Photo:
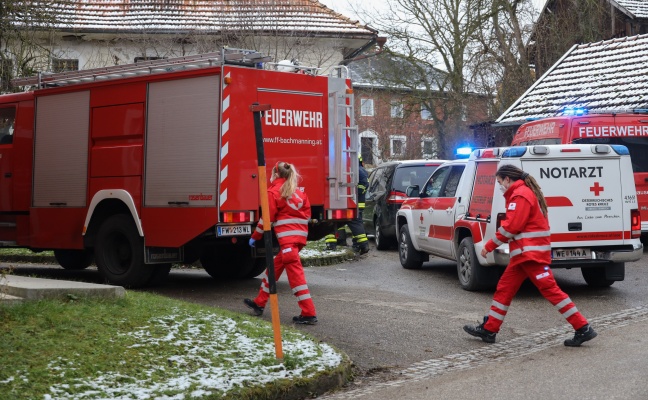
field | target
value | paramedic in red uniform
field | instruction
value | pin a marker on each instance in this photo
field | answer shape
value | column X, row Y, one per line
column 289, row 213
column 526, row 229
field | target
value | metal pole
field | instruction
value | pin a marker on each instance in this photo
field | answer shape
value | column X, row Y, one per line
column 257, row 109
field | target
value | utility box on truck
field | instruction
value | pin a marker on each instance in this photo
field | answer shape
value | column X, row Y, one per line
column 592, row 209
column 142, row 165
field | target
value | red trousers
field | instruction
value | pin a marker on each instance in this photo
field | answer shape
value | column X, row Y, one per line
column 288, row 259
column 543, row 278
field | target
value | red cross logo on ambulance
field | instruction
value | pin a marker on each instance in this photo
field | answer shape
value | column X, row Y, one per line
column 421, row 218
column 596, row 188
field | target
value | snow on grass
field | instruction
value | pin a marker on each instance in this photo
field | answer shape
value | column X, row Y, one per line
column 213, row 355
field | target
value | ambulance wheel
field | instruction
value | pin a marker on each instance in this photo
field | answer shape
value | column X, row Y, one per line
column 472, row 275
column 119, row 253
column 74, row 259
column 410, row 258
column 595, row 277
column 259, row 267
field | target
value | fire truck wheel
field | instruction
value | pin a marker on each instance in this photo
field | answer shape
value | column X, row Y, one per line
column 410, row 258
column 595, row 277
column 74, row 259
column 119, row 253
column 473, row 275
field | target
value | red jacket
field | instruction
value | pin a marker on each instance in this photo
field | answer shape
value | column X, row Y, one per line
column 525, row 228
column 289, row 217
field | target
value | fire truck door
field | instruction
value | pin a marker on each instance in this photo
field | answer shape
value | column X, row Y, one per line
column 7, row 118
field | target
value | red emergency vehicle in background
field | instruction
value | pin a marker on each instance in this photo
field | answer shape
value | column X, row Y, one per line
column 629, row 128
column 142, row 165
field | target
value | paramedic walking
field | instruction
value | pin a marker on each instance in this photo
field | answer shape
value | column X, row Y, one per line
column 289, row 213
column 526, row 230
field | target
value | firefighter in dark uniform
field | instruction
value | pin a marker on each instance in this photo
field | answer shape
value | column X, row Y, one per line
column 360, row 241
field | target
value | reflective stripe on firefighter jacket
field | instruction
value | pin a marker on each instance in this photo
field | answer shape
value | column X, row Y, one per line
column 525, row 228
column 289, row 217
column 363, row 184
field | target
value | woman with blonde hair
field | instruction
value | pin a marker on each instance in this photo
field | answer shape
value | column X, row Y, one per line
column 526, row 230
column 290, row 212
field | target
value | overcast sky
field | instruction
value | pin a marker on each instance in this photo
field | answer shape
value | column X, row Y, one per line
column 343, row 6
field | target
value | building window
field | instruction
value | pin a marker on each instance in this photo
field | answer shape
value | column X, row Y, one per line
column 428, row 148
column 464, row 113
column 425, row 113
column 397, row 146
column 6, row 73
column 65, row 64
column 366, row 107
column 138, row 59
column 397, row 110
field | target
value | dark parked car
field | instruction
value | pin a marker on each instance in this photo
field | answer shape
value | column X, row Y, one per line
column 386, row 193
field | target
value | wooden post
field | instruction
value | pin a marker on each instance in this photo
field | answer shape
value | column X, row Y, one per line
column 257, row 110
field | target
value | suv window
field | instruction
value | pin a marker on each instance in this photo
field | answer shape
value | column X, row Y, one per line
column 411, row 175
column 377, row 180
column 451, row 184
column 434, row 185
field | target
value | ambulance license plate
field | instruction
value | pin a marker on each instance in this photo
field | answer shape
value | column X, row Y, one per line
column 571, row 254
column 234, row 230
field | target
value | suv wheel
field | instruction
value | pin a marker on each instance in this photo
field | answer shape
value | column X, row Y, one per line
column 381, row 242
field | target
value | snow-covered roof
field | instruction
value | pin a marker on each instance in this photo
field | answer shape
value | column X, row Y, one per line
column 634, row 8
column 205, row 16
column 376, row 72
column 601, row 76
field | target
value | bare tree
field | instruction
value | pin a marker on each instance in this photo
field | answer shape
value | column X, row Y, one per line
column 429, row 35
column 22, row 24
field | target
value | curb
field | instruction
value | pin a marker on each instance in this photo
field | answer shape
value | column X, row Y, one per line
column 322, row 261
column 305, row 388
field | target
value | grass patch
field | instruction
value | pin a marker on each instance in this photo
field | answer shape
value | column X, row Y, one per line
column 147, row 346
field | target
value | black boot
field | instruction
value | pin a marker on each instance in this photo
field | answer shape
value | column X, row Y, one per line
column 479, row 331
column 253, row 306
column 582, row 335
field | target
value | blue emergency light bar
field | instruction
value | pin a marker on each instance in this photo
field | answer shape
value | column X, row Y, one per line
column 575, row 111
column 620, row 149
column 517, row 151
column 463, row 152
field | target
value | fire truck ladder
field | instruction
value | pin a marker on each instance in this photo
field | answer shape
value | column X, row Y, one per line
column 249, row 58
column 343, row 107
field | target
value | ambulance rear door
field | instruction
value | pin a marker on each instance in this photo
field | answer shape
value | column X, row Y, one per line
column 584, row 197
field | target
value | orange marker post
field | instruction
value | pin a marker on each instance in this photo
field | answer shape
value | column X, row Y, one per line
column 257, row 109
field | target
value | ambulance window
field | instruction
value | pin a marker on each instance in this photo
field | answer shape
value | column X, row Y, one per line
column 450, row 187
column 7, row 119
column 434, row 185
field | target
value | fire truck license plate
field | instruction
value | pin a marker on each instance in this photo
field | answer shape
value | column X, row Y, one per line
column 234, row 230
column 571, row 254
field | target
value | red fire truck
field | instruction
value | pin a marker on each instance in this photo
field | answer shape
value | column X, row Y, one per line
column 142, row 165
column 623, row 127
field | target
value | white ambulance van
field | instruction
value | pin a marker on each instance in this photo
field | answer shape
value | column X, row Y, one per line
column 592, row 204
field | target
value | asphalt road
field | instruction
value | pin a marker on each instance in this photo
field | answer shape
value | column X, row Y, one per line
column 387, row 318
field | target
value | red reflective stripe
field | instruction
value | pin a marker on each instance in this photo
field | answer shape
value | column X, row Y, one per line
column 587, row 236
column 558, row 201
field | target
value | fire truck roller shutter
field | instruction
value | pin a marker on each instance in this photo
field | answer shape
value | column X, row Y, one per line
column 182, row 142
column 61, row 150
